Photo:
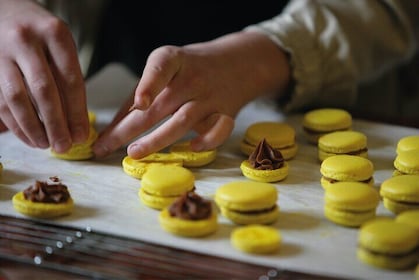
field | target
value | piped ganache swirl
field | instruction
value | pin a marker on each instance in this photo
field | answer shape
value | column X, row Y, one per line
column 47, row 193
column 265, row 157
column 190, row 206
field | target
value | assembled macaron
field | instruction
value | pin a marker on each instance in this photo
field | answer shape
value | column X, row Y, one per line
column 183, row 151
column 137, row 167
column 408, row 143
column 319, row 122
column 342, row 142
column 256, row 239
column 190, row 215
column 346, row 168
column 406, row 162
column 350, row 203
column 247, row 202
column 386, row 243
column 163, row 184
column 44, row 200
column 265, row 164
column 281, row 136
column 400, row 193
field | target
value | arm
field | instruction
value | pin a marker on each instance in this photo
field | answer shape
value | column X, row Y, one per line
column 42, row 94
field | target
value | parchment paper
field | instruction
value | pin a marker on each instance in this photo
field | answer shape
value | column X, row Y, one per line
column 106, row 198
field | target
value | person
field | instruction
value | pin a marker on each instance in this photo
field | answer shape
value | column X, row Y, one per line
column 312, row 53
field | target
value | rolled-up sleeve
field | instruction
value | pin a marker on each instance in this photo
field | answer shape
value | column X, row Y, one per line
column 335, row 45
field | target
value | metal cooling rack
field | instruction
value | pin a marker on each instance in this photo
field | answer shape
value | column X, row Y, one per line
column 101, row 256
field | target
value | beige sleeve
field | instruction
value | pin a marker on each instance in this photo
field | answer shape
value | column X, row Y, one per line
column 336, row 45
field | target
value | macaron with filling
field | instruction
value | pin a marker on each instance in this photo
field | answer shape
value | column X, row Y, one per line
column 265, row 164
column 319, row 122
column 190, row 215
column 183, row 151
column 346, row 168
column 162, row 184
column 350, row 203
column 247, row 202
column 256, row 239
column 388, row 244
column 406, row 162
column 400, row 193
column 281, row 136
column 137, row 167
column 408, row 143
column 342, row 143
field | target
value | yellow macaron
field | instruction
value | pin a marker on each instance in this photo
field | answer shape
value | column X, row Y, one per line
column 265, row 164
column 256, row 239
column 281, row 136
column 350, row 203
column 388, row 244
column 190, row 215
column 406, row 162
column 43, row 200
column 400, row 193
column 137, row 167
column 162, row 184
column 410, row 217
column 318, row 122
column 81, row 151
column 408, row 143
column 346, row 168
column 247, row 202
column 183, row 151
column 342, row 142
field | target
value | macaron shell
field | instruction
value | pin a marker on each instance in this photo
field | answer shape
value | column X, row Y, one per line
column 246, row 195
column 401, row 188
column 407, row 162
column 155, row 201
column 410, row 217
column 41, row 209
column 266, row 176
column 322, row 155
column 167, row 180
column 397, row 206
column 327, row 184
column 276, row 134
column 340, row 142
column 256, row 239
column 188, row 228
column 408, row 143
column 136, row 168
column 348, row 218
column 327, row 119
column 183, row 151
column 347, row 168
column 243, row 218
column 82, row 151
column 385, row 261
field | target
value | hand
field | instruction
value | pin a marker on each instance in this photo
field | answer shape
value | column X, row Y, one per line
column 42, row 94
column 198, row 87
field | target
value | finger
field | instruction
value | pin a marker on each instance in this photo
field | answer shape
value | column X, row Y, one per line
column 43, row 89
column 167, row 133
column 213, row 132
column 162, row 65
column 69, row 79
column 17, row 111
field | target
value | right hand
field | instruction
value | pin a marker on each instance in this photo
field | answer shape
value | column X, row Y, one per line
column 42, row 91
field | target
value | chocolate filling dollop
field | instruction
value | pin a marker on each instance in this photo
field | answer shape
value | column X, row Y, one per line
column 265, row 157
column 190, row 206
column 47, row 193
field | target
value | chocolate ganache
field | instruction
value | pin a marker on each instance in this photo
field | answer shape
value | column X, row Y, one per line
column 264, row 157
column 47, row 193
column 190, row 206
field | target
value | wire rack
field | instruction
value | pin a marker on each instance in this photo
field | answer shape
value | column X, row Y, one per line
column 97, row 255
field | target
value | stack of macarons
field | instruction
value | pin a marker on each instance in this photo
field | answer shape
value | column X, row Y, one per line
column 400, row 193
column 281, row 136
column 406, row 162
column 265, row 164
column 350, row 203
column 342, row 143
column 162, row 184
column 346, row 168
column 387, row 243
column 319, row 122
column 248, row 202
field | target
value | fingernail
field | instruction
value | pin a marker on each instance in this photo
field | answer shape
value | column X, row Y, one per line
column 100, row 150
column 197, row 147
column 135, row 150
column 42, row 142
column 79, row 135
column 62, row 145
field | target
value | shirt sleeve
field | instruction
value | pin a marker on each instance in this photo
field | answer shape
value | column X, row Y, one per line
column 336, row 45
